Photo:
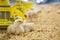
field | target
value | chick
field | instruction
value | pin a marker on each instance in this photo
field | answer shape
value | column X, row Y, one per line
column 32, row 13
column 15, row 29
column 19, row 30
column 28, row 26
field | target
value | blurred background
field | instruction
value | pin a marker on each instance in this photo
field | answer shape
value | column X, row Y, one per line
column 46, row 1
column 38, row 1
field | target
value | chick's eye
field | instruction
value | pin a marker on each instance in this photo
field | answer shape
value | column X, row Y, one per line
column 19, row 21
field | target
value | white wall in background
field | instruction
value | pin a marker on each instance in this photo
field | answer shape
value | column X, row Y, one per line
column 38, row 1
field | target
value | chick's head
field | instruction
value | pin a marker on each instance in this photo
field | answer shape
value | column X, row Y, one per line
column 18, row 21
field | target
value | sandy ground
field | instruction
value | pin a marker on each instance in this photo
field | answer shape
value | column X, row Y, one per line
column 47, row 25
